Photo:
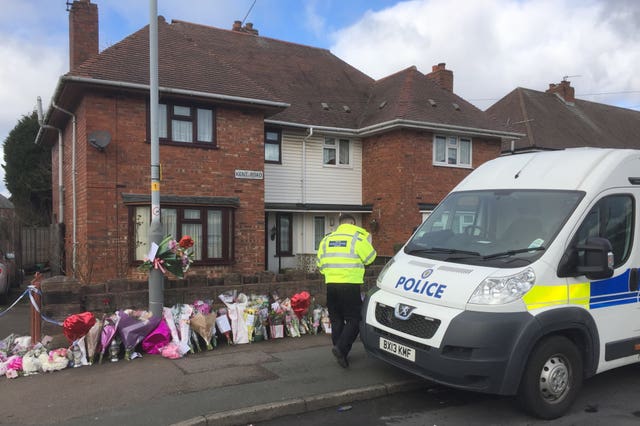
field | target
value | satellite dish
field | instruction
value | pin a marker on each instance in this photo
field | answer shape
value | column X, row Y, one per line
column 99, row 139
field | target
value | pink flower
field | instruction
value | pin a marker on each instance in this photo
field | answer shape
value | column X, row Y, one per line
column 15, row 363
column 11, row 374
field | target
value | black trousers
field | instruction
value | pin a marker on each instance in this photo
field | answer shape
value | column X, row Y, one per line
column 344, row 304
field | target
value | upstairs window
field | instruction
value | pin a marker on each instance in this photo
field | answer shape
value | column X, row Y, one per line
column 186, row 124
column 452, row 151
column 336, row 152
column 272, row 146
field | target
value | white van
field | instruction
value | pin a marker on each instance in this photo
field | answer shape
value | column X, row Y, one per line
column 524, row 280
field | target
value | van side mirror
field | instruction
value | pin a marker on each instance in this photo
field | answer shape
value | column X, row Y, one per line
column 596, row 262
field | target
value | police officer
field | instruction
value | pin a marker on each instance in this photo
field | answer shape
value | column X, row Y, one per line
column 342, row 256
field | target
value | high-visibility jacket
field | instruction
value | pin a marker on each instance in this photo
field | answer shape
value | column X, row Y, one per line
column 343, row 254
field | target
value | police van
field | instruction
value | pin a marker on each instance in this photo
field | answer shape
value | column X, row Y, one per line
column 523, row 281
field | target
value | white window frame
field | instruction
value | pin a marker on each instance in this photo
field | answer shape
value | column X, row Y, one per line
column 334, row 144
column 452, row 145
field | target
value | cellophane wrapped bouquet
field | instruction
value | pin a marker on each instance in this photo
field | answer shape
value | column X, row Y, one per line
column 170, row 255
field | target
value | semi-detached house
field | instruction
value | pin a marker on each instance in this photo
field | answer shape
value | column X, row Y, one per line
column 263, row 144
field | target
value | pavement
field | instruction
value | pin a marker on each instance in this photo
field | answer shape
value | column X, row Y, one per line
column 230, row 385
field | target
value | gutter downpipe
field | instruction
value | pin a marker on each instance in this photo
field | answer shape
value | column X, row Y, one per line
column 60, row 163
column 73, row 187
column 304, row 181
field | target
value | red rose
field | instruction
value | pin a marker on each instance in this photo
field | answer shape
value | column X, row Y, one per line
column 186, row 242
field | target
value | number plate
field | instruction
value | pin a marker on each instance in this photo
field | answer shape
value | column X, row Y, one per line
column 397, row 349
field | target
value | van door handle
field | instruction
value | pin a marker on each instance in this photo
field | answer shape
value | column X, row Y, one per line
column 633, row 279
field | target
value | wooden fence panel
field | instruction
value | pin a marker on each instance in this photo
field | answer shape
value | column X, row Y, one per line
column 34, row 246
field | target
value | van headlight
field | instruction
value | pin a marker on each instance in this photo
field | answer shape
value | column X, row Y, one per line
column 501, row 290
column 384, row 272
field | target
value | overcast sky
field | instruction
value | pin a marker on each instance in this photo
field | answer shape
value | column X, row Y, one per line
column 492, row 46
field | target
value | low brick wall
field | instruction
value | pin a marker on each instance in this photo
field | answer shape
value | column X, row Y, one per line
column 63, row 296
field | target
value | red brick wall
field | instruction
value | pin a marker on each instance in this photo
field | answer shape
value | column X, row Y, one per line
column 124, row 167
column 398, row 174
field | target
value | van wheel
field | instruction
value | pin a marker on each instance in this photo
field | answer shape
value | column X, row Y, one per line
column 552, row 378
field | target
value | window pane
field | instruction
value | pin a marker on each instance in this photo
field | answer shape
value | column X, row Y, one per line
column 453, row 141
column 272, row 136
column 194, row 230
column 318, row 230
column 329, row 156
column 191, row 214
column 141, row 232
column 452, row 155
column 271, row 152
column 205, row 125
column 214, row 234
column 344, row 151
column 329, row 141
column 619, row 228
column 285, row 225
column 440, row 149
column 169, row 221
column 182, row 110
column 465, row 151
column 162, row 121
column 181, row 131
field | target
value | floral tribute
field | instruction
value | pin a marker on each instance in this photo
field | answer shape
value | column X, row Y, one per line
column 233, row 318
column 170, row 255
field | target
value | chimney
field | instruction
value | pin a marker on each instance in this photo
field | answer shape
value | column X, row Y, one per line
column 83, row 32
column 442, row 76
column 564, row 90
column 248, row 28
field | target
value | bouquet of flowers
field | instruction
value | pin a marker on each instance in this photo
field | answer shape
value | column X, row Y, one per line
column 223, row 324
column 276, row 323
column 133, row 327
column 204, row 324
column 109, row 328
column 170, row 255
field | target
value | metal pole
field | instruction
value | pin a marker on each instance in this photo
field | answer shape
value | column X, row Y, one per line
column 156, row 282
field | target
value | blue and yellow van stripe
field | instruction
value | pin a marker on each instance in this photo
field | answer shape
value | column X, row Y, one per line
column 590, row 295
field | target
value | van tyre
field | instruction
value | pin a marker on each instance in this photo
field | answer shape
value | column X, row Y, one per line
column 552, row 378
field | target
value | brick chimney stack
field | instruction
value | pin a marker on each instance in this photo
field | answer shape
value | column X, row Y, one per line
column 248, row 28
column 83, row 32
column 564, row 90
column 442, row 76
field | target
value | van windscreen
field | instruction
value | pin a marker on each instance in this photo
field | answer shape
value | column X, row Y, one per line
column 496, row 227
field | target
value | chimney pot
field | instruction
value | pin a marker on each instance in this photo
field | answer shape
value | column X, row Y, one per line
column 237, row 26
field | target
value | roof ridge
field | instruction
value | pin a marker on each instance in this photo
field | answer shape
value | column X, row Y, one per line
column 180, row 21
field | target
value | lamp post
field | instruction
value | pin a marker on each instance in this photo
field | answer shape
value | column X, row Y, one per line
column 156, row 283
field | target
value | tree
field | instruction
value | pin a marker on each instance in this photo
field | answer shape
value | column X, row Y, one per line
column 28, row 173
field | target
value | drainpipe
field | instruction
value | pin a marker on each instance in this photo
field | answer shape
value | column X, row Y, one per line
column 304, row 181
column 60, row 155
column 73, row 186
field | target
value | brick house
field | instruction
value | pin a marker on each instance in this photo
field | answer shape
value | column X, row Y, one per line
column 263, row 143
column 555, row 119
